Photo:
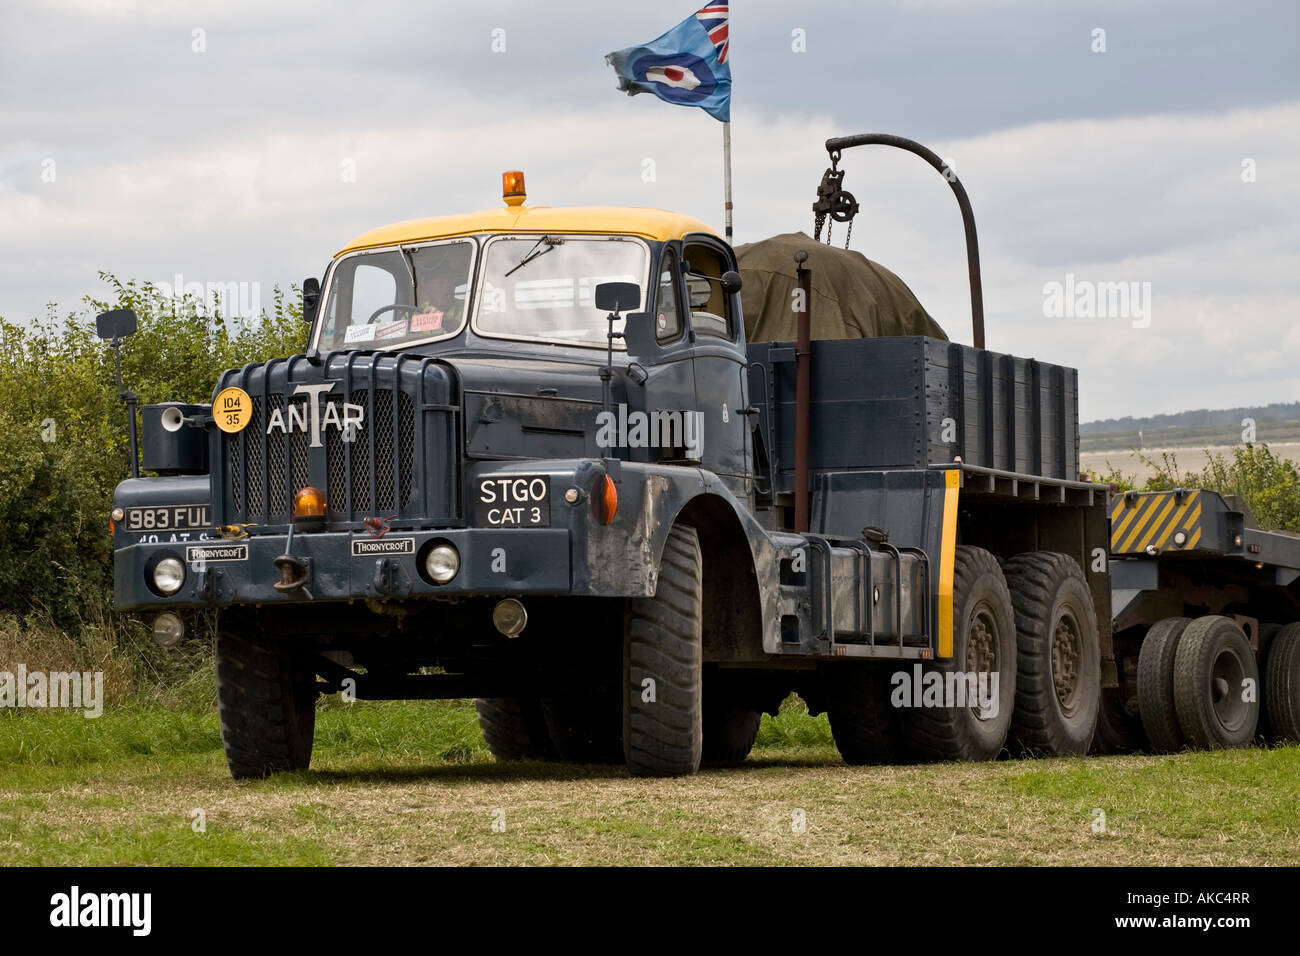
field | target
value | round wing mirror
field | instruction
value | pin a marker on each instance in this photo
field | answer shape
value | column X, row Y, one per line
column 731, row 282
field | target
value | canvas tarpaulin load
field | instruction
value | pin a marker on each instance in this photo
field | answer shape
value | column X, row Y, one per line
column 853, row 297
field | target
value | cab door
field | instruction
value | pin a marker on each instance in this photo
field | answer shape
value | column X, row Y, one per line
column 666, row 373
column 721, row 392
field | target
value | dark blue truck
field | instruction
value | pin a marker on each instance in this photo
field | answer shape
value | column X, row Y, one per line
column 528, row 457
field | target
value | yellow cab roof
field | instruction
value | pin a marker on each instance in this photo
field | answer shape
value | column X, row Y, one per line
column 656, row 224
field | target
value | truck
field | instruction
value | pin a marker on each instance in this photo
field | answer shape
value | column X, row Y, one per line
column 528, row 457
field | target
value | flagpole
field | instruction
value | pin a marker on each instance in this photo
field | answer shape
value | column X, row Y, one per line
column 726, row 176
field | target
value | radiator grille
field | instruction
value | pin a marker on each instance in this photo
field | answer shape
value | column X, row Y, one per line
column 265, row 470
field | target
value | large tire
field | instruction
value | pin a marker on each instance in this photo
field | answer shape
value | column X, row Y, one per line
column 1156, row 684
column 584, row 728
column 1282, row 684
column 1058, row 655
column 865, row 726
column 1213, row 663
column 266, row 698
column 730, row 728
column 663, row 720
column 984, row 641
column 514, row 728
column 1117, row 732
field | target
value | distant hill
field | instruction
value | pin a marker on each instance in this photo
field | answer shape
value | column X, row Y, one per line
column 1200, row 418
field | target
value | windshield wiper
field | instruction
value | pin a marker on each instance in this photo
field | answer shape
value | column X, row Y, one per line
column 535, row 253
column 410, row 267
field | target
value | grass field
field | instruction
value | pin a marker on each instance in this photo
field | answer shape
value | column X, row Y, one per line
column 411, row 783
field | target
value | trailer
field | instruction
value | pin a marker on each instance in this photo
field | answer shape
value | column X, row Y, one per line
column 529, row 457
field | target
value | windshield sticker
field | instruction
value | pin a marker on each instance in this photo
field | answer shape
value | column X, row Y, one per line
column 393, row 330
column 359, row 333
column 427, row 322
column 494, row 299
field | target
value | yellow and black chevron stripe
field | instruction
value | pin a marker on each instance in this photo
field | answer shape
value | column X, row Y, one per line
column 1153, row 518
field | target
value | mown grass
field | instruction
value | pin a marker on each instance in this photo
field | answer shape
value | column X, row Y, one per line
column 412, row 783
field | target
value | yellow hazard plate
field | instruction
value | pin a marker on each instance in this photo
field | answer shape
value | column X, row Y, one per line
column 232, row 409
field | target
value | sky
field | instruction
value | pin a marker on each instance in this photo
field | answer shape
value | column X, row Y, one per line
column 1149, row 143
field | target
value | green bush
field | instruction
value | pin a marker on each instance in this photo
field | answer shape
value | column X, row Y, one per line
column 63, row 436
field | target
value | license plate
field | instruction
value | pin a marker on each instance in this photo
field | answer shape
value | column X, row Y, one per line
column 519, row 501
column 168, row 518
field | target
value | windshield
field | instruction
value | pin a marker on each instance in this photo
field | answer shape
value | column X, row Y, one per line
column 543, row 287
column 398, row 296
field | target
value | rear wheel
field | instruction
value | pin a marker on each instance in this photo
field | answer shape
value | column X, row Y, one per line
column 266, row 698
column 1058, row 659
column 984, row 643
column 513, row 727
column 1155, row 683
column 864, row 724
column 1213, row 669
column 1282, row 684
column 663, row 725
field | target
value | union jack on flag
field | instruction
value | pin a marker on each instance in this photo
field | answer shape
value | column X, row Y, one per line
column 714, row 19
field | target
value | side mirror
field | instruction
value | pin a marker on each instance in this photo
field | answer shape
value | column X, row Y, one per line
column 639, row 333
column 310, row 298
column 731, row 282
column 617, row 296
column 117, row 324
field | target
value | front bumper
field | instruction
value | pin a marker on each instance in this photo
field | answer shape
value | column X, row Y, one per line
column 342, row 566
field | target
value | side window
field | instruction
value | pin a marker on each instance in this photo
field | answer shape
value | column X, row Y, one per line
column 710, row 307
column 668, row 317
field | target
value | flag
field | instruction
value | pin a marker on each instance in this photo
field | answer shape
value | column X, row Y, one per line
column 688, row 65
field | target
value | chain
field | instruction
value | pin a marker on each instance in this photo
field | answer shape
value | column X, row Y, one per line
column 849, row 235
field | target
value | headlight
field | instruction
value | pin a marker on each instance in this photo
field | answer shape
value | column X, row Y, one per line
column 441, row 563
column 168, row 629
column 168, row 575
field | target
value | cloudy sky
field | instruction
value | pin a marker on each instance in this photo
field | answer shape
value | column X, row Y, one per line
column 246, row 142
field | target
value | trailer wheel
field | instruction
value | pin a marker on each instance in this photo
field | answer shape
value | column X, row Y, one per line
column 984, row 641
column 866, row 728
column 663, row 727
column 1117, row 732
column 1213, row 663
column 584, row 728
column 1282, row 684
column 1155, row 683
column 266, row 698
column 1058, row 656
column 513, row 727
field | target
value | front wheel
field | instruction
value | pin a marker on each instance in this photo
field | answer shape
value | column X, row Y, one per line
column 663, row 720
column 514, row 728
column 266, row 697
